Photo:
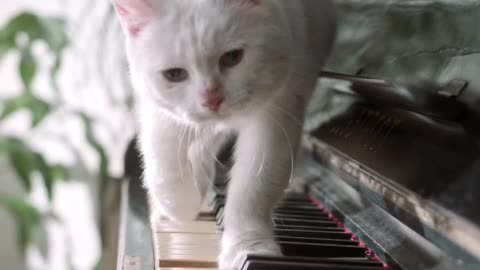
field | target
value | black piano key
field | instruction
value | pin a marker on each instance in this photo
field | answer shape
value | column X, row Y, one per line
column 294, row 203
column 313, row 234
column 296, row 200
column 303, row 217
column 261, row 265
column 217, row 207
column 303, row 222
column 255, row 262
column 309, row 238
column 220, row 197
column 308, row 228
column 321, row 250
column 295, row 195
column 339, row 261
column 317, row 240
column 298, row 207
column 310, row 212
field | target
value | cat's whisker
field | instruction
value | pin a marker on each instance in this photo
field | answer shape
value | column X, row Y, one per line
column 180, row 165
column 211, row 181
column 197, row 152
column 284, row 131
column 261, row 165
column 214, row 155
column 290, row 115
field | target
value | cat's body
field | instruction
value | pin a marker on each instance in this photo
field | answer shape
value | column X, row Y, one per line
column 205, row 70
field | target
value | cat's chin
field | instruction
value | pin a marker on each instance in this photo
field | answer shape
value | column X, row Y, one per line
column 202, row 119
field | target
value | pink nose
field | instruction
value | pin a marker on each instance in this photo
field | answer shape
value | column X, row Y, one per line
column 214, row 103
column 214, row 99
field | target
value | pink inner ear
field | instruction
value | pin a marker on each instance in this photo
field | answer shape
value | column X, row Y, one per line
column 134, row 14
column 122, row 11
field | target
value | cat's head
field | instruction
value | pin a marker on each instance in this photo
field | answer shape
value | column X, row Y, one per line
column 205, row 60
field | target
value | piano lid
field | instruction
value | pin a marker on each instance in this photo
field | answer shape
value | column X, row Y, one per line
column 416, row 159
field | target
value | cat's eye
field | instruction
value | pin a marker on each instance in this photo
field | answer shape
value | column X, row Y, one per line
column 175, row 75
column 231, row 58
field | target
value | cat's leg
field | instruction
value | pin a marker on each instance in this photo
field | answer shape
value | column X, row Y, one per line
column 202, row 154
column 264, row 157
column 168, row 174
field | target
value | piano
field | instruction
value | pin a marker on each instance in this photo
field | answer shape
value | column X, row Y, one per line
column 389, row 178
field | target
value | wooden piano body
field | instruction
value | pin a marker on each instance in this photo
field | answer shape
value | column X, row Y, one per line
column 398, row 171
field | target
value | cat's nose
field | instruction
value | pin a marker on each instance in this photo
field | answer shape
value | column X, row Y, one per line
column 214, row 99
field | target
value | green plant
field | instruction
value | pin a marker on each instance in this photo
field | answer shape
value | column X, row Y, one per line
column 19, row 36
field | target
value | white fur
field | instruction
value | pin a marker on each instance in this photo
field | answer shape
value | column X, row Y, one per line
column 286, row 43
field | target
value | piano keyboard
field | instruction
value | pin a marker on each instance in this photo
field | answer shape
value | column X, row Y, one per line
column 310, row 238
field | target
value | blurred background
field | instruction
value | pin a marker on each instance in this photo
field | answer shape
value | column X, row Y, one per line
column 65, row 109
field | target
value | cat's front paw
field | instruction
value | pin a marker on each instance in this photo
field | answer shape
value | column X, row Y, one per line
column 235, row 249
column 176, row 202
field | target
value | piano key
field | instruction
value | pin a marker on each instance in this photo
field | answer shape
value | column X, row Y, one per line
column 309, row 212
column 317, row 240
column 187, row 238
column 296, row 199
column 294, row 203
column 299, row 207
column 255, row 262
column 301, row 229
column 321, row 250
column 179, row 268
column 313, row 234
column 304, row 217
column 308, row 228
column 333, row 261
column 260, row 265
column 186, row 263
column 303, row 222
column 190, row 227
column 187, row 249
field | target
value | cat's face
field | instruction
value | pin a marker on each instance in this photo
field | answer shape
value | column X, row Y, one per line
column 204, row 60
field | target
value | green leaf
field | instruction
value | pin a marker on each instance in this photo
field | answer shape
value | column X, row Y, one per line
column 39, row 110
column 28, row 218
column 48, row 29
column 37, row 107
column 99, row 265
column 50, row 174
column 46, row 173
column 26, row 161
column 51, row 30
column 27, row 23
column 14, row 105
column 55, row 34
column 54, row 74
column 59, row 172
column 103, row 168
column 6, row 44
column 3, row 146
column 23, row 162
column 27, row 69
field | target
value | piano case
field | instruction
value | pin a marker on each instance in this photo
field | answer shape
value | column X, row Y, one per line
column 389, row 174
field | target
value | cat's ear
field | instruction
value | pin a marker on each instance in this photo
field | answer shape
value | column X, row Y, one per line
column 134, row 15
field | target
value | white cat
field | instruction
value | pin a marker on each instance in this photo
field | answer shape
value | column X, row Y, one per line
column 204, row 70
